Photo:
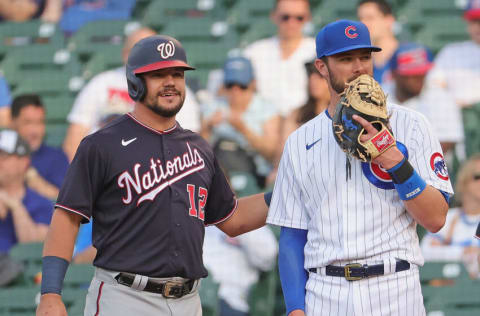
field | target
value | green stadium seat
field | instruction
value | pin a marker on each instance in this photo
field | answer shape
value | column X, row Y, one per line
column 243, row 183
column 79, row 275
column 332, row 10
column 33, row 33
column 209, row 296
column 261, row 28
column 56, row 134
column 19, row 300
column 107, row 58
column 99, row 35
column 263, row 294
column 441, row 30
column 57, row 108
column 418, row 13
column 50, row 83
column 471, row 122
column 27, row 252
column 243, row 13
column 161, row 13
column 24, row 61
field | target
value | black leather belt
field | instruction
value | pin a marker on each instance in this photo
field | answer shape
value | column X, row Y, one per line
column 169, row 289
column 357, row 271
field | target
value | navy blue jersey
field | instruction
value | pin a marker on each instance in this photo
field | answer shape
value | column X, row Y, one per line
column 150, row 194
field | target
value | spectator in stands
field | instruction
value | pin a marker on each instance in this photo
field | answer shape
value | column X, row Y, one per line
column 410, row 65
column 48, row 164
column 378, row 16
column 279, row 61
column 107, row 93
column 457, row 66
column 20, row 10
column 236, row 263
column 73, row 14
column 455, row 241
column 245, row 118
column 24, row 214
column 5, row 100
column 317, row 102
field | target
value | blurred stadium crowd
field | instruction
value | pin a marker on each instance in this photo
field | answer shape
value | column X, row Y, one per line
column 63, row 77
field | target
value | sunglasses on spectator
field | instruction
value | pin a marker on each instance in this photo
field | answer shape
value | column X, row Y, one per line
column 286, row 17
column 476, row 177
column 231, row 85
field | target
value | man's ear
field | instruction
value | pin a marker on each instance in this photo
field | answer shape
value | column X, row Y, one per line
column 322, row 68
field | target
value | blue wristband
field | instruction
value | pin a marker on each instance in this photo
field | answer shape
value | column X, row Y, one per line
column 412, row 187
column 268, row 197
column 53, row 273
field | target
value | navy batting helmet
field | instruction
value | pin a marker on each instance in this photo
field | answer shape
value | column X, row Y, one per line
column 152, row 53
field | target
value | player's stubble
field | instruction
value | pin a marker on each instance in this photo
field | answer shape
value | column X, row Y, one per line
column 154, row 103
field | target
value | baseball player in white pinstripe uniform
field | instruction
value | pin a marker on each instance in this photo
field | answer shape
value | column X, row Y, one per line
column 349, row 246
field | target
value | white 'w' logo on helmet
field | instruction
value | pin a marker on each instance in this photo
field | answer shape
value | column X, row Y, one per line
column 166, row 49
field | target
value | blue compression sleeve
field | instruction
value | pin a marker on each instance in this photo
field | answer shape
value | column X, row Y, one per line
column 291, row 260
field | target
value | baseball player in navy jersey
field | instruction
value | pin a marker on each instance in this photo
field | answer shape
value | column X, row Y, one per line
column 348, row 246
column 150, row 187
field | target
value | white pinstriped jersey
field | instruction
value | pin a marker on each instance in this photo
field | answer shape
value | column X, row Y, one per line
column 356, row 219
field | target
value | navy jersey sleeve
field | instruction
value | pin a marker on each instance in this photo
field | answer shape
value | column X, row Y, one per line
column 83, row 181
column 221, row 202
column 477, row 234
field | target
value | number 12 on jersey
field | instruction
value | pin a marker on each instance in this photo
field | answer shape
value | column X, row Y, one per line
column 202, row 200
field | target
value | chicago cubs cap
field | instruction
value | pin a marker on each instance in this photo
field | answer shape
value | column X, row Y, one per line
column 412, row 59
column 342, row 36
column 237, row 70
column 472, row 11
column 11, row 143
column 157, row 52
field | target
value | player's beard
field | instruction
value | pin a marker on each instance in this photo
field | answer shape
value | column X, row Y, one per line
column 337, row 84
column 154, row 105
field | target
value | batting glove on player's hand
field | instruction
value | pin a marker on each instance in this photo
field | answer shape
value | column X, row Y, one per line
column 363, row 97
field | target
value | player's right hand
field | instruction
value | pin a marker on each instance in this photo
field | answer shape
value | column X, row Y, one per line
column 51, row 305
column 297, row 312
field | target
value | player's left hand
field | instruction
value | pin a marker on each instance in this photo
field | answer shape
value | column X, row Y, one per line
column 387, row 159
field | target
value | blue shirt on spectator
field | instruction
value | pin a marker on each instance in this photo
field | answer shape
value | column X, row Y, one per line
column 51, row 163
column 5, row 97
column 40, row 210
column 80, row 12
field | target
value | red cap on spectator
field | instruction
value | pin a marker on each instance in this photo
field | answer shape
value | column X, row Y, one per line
column 472, row 11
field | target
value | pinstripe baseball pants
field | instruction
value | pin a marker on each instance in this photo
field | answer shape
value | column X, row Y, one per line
column 393, row 294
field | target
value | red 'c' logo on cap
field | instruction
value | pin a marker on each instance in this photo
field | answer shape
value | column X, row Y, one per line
column 350, row 31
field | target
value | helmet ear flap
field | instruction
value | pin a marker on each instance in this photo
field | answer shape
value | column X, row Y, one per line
column 136, row 86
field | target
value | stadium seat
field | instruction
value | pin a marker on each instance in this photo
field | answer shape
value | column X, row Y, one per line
column 57, row 108
column 243, row 13
column 441, row 30
column 331, row 10
column 79, row 275
column 22, row 62
column 261, row 28
column 209, row 296
column 21, row 300
column 471, row 122
column 32, row 33
column 105, row 59
column 27, row 252
column 243, row 183
column 263, row 294
column 50, row 83
column 419, row 13
column 98, row 35
column 160, row 13
column 56, row 134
